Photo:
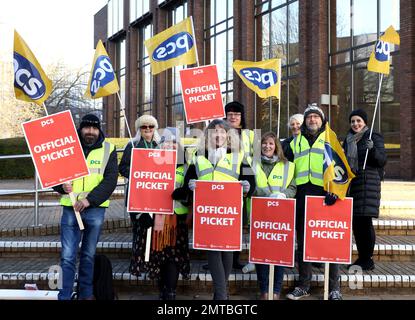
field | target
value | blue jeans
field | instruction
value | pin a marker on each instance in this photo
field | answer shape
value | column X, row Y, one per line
column 262, row 271
column 70, row 239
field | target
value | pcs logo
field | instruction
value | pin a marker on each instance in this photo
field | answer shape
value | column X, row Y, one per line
column 103, row 74
column 382, row 51
column 27, row 78
column 262, row 78
column 340, row 172
column 173, row 47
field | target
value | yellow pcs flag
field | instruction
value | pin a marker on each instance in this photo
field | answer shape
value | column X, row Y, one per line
column 379, row 58
column 102, row 80
column 337, row 174
column 263, row 77
column 172, row 47
column 30, row 81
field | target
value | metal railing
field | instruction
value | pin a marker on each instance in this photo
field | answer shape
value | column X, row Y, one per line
column 37, row 190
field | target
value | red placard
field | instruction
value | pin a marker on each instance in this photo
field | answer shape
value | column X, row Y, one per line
column 55, row 148
column 272, row 236
column 202, row 97
column 152, row 181
column 328, row 230
column 217, row 216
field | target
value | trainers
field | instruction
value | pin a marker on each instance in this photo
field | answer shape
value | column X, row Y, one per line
column 297, row 294
column 250, row 267
column 335, row 295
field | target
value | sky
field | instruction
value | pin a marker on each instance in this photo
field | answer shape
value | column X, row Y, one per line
column 55, row 30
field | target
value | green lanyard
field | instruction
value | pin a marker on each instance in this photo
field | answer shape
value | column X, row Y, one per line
column 145, row 143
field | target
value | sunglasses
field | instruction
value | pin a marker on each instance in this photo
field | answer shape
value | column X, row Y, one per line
column 146, row 127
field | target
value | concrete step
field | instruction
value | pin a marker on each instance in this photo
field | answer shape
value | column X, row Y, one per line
column 118, row 245
column 396, row 227
column 397, row 278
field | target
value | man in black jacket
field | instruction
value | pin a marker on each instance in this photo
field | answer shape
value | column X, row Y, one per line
column 92, row 193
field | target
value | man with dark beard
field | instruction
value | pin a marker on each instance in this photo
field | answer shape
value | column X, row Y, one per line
column 92, row 193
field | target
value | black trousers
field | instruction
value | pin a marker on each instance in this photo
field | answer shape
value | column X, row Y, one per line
column 169, row 275
column 365, row 237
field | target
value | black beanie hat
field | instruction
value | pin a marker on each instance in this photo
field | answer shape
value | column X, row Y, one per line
column 235, row 106
column 90, row 120
column 360, row 113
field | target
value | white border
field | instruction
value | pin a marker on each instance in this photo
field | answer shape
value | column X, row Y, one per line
column 350, row 228
column 194, row 213
column 129, row 181
column 184, row 103
column 294, row 232
column 31, row 154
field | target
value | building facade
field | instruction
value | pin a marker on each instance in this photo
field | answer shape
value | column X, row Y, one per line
column 324, row 46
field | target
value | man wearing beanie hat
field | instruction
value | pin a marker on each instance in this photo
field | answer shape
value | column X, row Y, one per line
column 307, row 152
column 92, row 193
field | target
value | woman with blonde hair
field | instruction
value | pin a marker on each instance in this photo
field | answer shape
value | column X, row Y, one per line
column 147, row 137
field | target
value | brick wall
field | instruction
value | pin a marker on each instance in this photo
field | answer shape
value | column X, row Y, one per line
column 407, row 89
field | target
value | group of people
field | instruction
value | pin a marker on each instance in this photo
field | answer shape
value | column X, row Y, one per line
column 293, row 169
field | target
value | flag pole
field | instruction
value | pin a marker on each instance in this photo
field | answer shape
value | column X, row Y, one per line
column 374, row 116
column 279, row 102
column 194, row 37
column 46, row 110
column 125, row 117
column 326, row 269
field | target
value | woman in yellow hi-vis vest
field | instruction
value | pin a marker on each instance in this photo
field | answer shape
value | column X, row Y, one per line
column 274, row 178
column 218, row 159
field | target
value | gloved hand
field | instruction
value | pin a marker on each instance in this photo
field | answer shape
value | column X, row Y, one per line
column 330, row 199
column 278, row 195
column 192, row 184
column 245, row 186
column 146, row 221
column 369, row 144
column 179, row 194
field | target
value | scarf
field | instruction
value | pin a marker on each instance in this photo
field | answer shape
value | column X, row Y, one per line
column 267, row 160
column 164, row 232
column 214, row 155
column 352, row 139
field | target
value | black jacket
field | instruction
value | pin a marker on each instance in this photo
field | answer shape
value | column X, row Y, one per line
column 365, row 188
column 103, row 191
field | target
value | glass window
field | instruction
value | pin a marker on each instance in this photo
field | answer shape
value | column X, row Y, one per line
column 350, row 81
column 278, row 35
column 364, row 26
column 144, row 76
column 389, row 14
column 219, row 38
column 174, row 101
column 115, row 16
column 342, row 25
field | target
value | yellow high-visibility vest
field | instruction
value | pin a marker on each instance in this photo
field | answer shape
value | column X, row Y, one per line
column 97, row 162
column 308, row 161
column 278, row 180
column 179, row 208
column 227, row 168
